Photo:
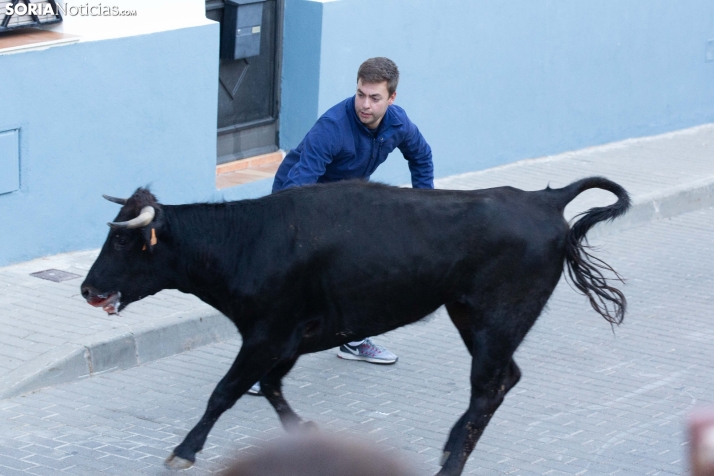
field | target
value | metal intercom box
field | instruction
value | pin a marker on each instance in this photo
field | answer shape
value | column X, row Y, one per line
column 240, row 29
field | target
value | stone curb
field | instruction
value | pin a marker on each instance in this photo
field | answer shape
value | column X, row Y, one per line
column 660, row 205
column 122, row 349
column 118, row 349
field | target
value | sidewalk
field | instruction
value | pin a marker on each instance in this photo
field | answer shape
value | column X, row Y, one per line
column 50, row 335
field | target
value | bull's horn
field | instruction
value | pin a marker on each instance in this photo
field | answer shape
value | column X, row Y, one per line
column 120, row 201
column 147, row 214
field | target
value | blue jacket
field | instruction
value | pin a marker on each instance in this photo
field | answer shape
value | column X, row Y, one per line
column 340, row 147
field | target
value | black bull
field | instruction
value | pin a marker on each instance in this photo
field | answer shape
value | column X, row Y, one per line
column 308, row 269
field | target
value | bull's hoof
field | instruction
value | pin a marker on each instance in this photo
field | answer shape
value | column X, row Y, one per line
column 176, row 462
column 309, row 426
column 300, row 426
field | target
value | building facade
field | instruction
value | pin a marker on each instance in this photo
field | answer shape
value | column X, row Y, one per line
column 128, row 101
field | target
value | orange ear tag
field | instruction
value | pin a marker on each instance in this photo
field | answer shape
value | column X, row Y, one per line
column 153, row 239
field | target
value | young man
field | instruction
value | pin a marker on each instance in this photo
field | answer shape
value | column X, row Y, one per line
column 350, row 141
column 352, row 138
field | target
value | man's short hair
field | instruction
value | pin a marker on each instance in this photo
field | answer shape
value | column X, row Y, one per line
column 376, row 70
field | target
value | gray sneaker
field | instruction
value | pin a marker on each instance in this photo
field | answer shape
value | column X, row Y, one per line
column 367, row 351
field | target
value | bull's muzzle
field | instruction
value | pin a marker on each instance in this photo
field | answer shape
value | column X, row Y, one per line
column 110, row 302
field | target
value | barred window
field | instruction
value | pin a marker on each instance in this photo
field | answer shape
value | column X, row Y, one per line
column 24, row 13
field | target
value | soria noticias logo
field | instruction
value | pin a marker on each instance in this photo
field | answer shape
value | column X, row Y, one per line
column 84, row 10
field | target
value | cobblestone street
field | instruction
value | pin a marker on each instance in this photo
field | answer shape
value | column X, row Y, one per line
column 589, row 402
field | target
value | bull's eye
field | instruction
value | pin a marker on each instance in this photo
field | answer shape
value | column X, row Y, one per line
column 121, row 242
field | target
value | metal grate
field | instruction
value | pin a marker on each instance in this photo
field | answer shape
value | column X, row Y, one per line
column 55, row 275
column 28, row 13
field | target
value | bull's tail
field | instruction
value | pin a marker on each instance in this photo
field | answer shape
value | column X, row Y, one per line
column 584, row 269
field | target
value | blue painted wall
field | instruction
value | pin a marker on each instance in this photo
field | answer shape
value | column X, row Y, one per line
column 106, row 117
column 494, row 82
column 301, row 66
column 486, row 82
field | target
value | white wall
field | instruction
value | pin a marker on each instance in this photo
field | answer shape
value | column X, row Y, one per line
column 151, row 16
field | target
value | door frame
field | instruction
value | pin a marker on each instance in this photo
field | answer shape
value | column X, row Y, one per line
column 277, row 86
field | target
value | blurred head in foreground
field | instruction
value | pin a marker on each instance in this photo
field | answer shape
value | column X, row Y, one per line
column 701, row 441
column 318, row 455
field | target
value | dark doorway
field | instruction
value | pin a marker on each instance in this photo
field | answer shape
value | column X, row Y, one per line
column 249, row 88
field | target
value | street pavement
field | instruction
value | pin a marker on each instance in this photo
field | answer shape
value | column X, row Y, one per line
column 591, row 401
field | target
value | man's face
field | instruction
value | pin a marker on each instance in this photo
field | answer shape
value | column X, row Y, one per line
column 371, row 102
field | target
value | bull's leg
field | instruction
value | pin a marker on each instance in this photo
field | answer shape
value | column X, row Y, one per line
column 462, row 316
column 271, row 385
column 492, row 326
column 254, row 360
column 489, row 387
column 492, row 321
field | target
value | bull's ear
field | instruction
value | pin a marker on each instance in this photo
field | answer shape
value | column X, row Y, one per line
column 151, row 238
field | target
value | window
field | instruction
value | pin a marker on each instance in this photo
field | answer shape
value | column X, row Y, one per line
column 24, row 13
